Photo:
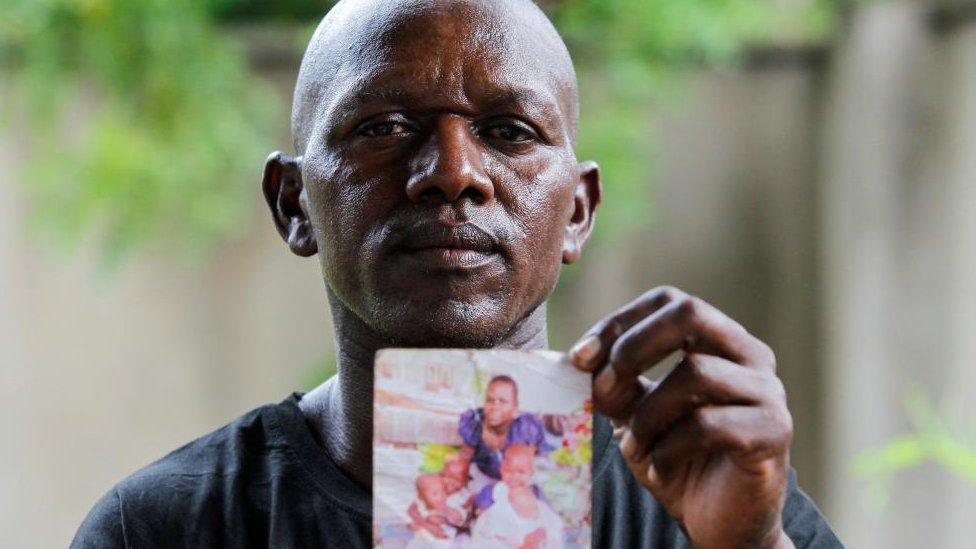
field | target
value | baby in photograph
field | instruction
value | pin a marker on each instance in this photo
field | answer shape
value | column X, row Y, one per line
column 442, row 507
column 459, row 498
column 515, row 512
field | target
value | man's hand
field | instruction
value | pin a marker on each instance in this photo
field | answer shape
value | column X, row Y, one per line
column 711, row 442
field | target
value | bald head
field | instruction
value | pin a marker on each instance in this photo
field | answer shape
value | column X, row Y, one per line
column 359, row 41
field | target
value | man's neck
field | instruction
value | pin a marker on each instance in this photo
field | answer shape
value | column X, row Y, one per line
column 498, row 429
column 340, row 411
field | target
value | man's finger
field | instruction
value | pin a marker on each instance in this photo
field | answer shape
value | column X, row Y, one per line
column 696, row 381
column 690, row 324
column 752, row 432
column 642, row 467
column 592, row 349
column 619, row 405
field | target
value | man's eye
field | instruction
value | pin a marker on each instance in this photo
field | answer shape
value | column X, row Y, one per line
column 381, row 129
column 510, row 132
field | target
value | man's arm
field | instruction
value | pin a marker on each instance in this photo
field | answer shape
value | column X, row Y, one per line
column 711, row 442
column 415, row 519
column 102, row 528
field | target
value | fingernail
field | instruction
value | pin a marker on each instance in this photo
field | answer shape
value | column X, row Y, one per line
column 652, row 476
column 627, row 444
column 606, row 380
column 584, row 352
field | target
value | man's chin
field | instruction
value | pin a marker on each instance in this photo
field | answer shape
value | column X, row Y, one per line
column 427, row 335
column 444, row 324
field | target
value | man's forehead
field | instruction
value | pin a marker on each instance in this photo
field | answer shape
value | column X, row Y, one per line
column 400, row 88
column 466, row 90
column 412, row 51
column 501, row 384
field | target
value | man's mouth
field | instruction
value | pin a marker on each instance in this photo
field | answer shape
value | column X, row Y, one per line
column 438, row 246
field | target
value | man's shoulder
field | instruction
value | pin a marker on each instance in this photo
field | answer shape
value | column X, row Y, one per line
column 469, row 426
column 187, row 480
column 219, row 452
column 528, row 421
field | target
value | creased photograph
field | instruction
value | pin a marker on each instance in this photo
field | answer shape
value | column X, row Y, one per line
column 481, row 449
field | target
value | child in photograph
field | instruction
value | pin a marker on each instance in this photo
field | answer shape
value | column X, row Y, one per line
column 459, row 498
column 489, row 430
column 429, row 514
column 516, row 514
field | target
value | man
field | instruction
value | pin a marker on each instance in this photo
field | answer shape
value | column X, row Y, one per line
column 437, row 181
column 486, row 432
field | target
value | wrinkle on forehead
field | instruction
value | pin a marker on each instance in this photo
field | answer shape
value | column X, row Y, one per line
column 360, row 39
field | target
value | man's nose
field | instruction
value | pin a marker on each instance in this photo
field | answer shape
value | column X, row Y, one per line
column 448, row 166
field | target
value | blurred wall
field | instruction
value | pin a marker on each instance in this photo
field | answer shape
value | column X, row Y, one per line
column 898, row 195
column 829, row 204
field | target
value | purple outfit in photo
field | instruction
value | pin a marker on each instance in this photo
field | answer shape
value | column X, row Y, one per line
column 525, row 429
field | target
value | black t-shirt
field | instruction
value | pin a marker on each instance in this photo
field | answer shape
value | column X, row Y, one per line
column 263, row 481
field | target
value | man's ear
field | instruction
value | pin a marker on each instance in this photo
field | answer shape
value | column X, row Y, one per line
column 585, row 202
column 286, row 196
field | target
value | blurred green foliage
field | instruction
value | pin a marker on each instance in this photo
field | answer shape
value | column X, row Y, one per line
column 146, row 121
column 931, row 440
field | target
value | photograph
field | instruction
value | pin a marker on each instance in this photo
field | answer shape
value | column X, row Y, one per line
column 481, row 449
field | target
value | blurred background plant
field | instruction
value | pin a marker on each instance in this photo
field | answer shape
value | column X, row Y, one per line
column 176, row 124
column 932, row 439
